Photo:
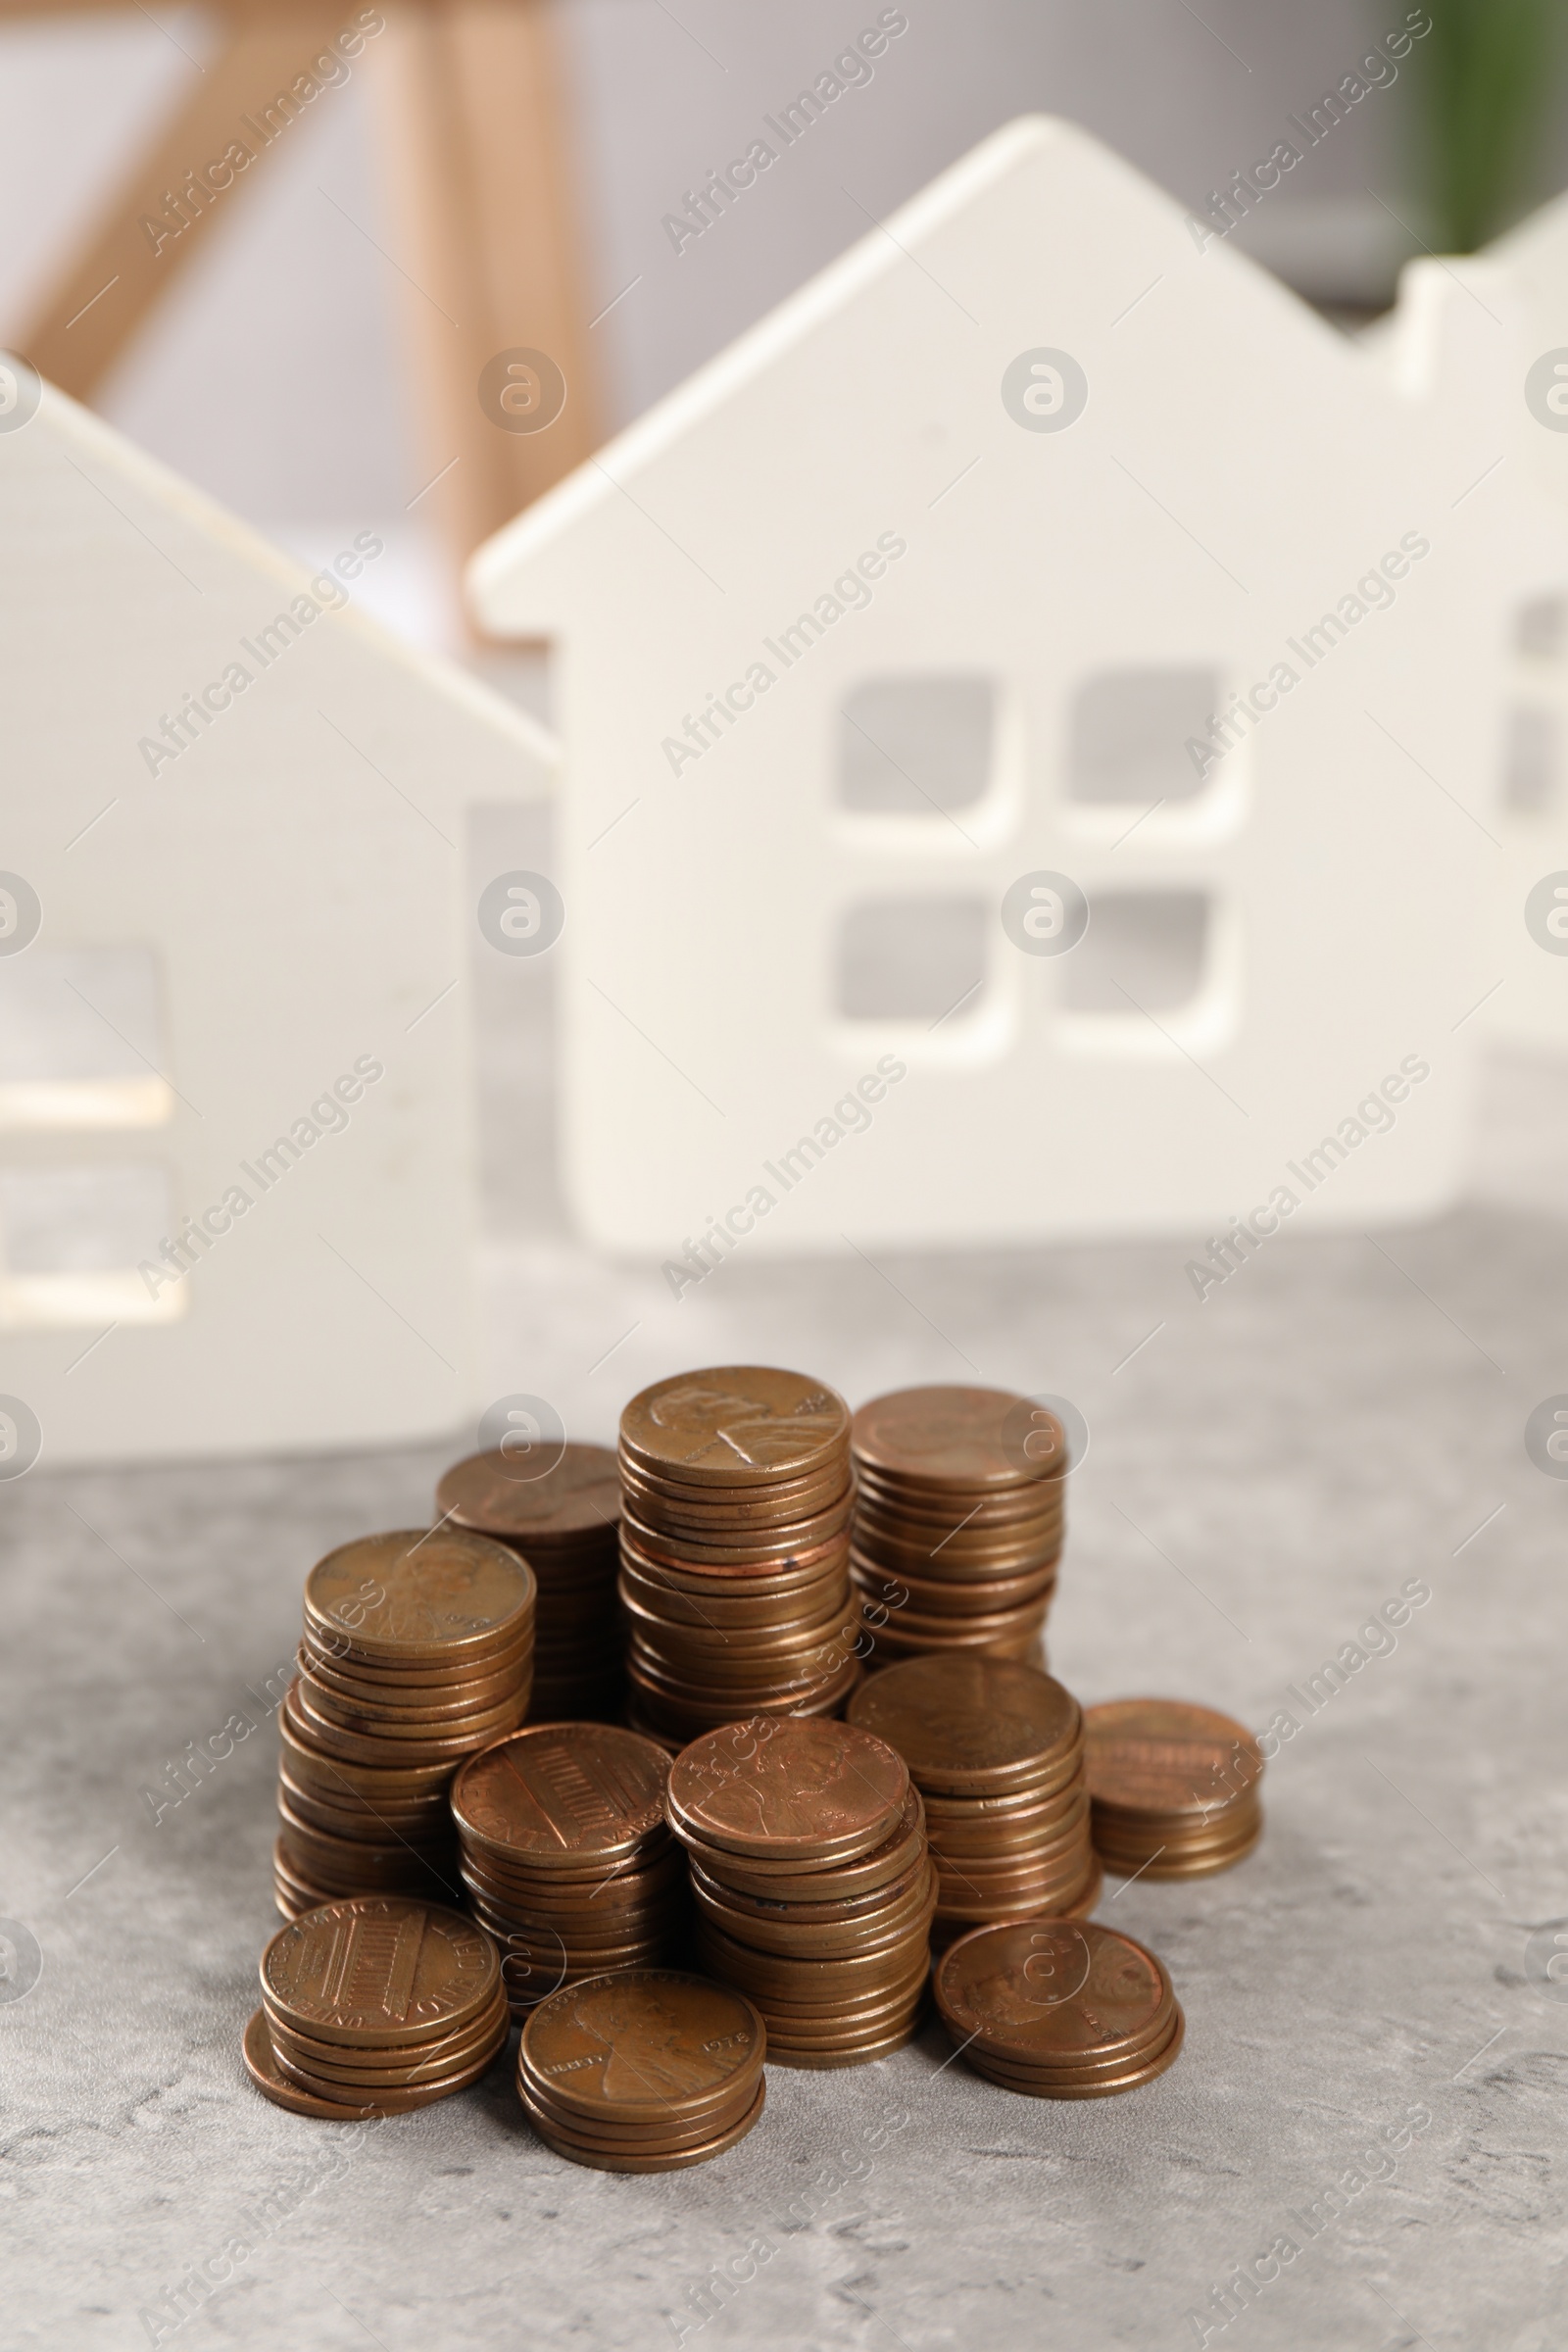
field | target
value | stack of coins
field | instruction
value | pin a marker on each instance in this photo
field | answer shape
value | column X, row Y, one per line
column 1174, row 1789
column 997, row 1752
column 1057, row 2009
column 418, row 1648
column 566, row 1855
column 957, row 1522
column 734, row 1536
column 564, row 1520
column 645, row 2073
column 815, row 1891
column 374, row 2005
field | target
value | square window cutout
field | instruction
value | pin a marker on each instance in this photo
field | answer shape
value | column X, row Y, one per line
column 1539, row 627
column 916, row 746
column 1529, row 762
column 1127, row 734
column 911, row 959
column 81, row 1221
column 81, row 1040
column 1144, row 952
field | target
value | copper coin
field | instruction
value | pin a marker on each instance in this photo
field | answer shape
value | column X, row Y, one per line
column 969, row 1725
column 1051, row 1991
column 580, row 1496
column 1221, row 1825
column 309, row 1845
column 890, row 1643
column 795, row 2054
column 1085, row 2087
column 660, row 2135
column 790, row 1790
column 376, row 1679
column 695, row 1509
column 874, row 2012
column 397, row 1753
column 738, row 1425
column 682, row 1721
column 630, row 2048
column 1164, row 1757
column 931, row 1598
column 433, row 2063
column 564, row 1794
column 579, row 2151
column 421, row 1594
column 954, row 1507
column 396, row 2101
column 378, row 1972
column 633, row 2139
column 955, row 1437
column 374, row 1721
column 660, row 1597
column 263, row 2067
column 750, row 1641
column 812, row 1546
column 720, row 1695
column 899, row 1853
column 727, row 1583
column 867, row 1905
column 316, row 1768
column 802, row 1978
column 843, row 1939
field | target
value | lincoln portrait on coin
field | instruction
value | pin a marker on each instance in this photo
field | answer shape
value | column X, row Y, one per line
column 646, row 2054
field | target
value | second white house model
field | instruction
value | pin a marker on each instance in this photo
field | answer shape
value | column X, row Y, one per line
column 1018, row 708
column 236, row 1119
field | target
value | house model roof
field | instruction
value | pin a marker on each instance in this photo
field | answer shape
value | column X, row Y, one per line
column 1216, row 500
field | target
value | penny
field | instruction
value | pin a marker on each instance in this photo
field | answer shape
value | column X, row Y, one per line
column 304, row 2063
column 632, row 2140
column 812, row 1911
column 804, row 1545
column 969, row 1724
column 1050, row 1991
column 562, row 1790
column 1165, row 1757
column 738, row 1425
column 1077, row 2086
column 263, row 2070
column 378, row 1972
column 578, row 2151
column 421, row 1593
column 634, row 2048
column 580, row 1496
column 939, row 1436
column 313, row 1765
column 796, row 1790
column 395, row 2101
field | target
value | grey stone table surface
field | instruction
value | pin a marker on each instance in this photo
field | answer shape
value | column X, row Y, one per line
column 1264, row 1471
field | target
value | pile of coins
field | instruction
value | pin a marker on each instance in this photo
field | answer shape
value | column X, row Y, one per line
column 560, row 1507
column 815, row 1891
column 1174, row 1788
column 734, row 1547
column 418, row 1648
column 566, row 1855
column 1059, row 2009
column 373, row 2006
column 957, row 1522
column 646, row 2073
column 997, row 1752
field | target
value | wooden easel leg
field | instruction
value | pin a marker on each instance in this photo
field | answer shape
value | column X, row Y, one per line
column 478, row 170
column 248, row 107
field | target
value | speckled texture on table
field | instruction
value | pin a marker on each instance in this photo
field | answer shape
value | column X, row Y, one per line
column 1262, row 1472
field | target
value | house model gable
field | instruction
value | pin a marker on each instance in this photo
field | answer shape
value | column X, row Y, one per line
column 237, row 1191
column 1039, row 556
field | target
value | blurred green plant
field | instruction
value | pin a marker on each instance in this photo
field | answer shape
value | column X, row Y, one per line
column 1488, row 74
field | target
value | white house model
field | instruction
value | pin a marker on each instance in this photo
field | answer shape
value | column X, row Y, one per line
column 1530, row 748
column 237, row 1198
column 1040, row 553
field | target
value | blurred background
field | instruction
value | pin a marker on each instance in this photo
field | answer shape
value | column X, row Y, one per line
column 289, row 358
